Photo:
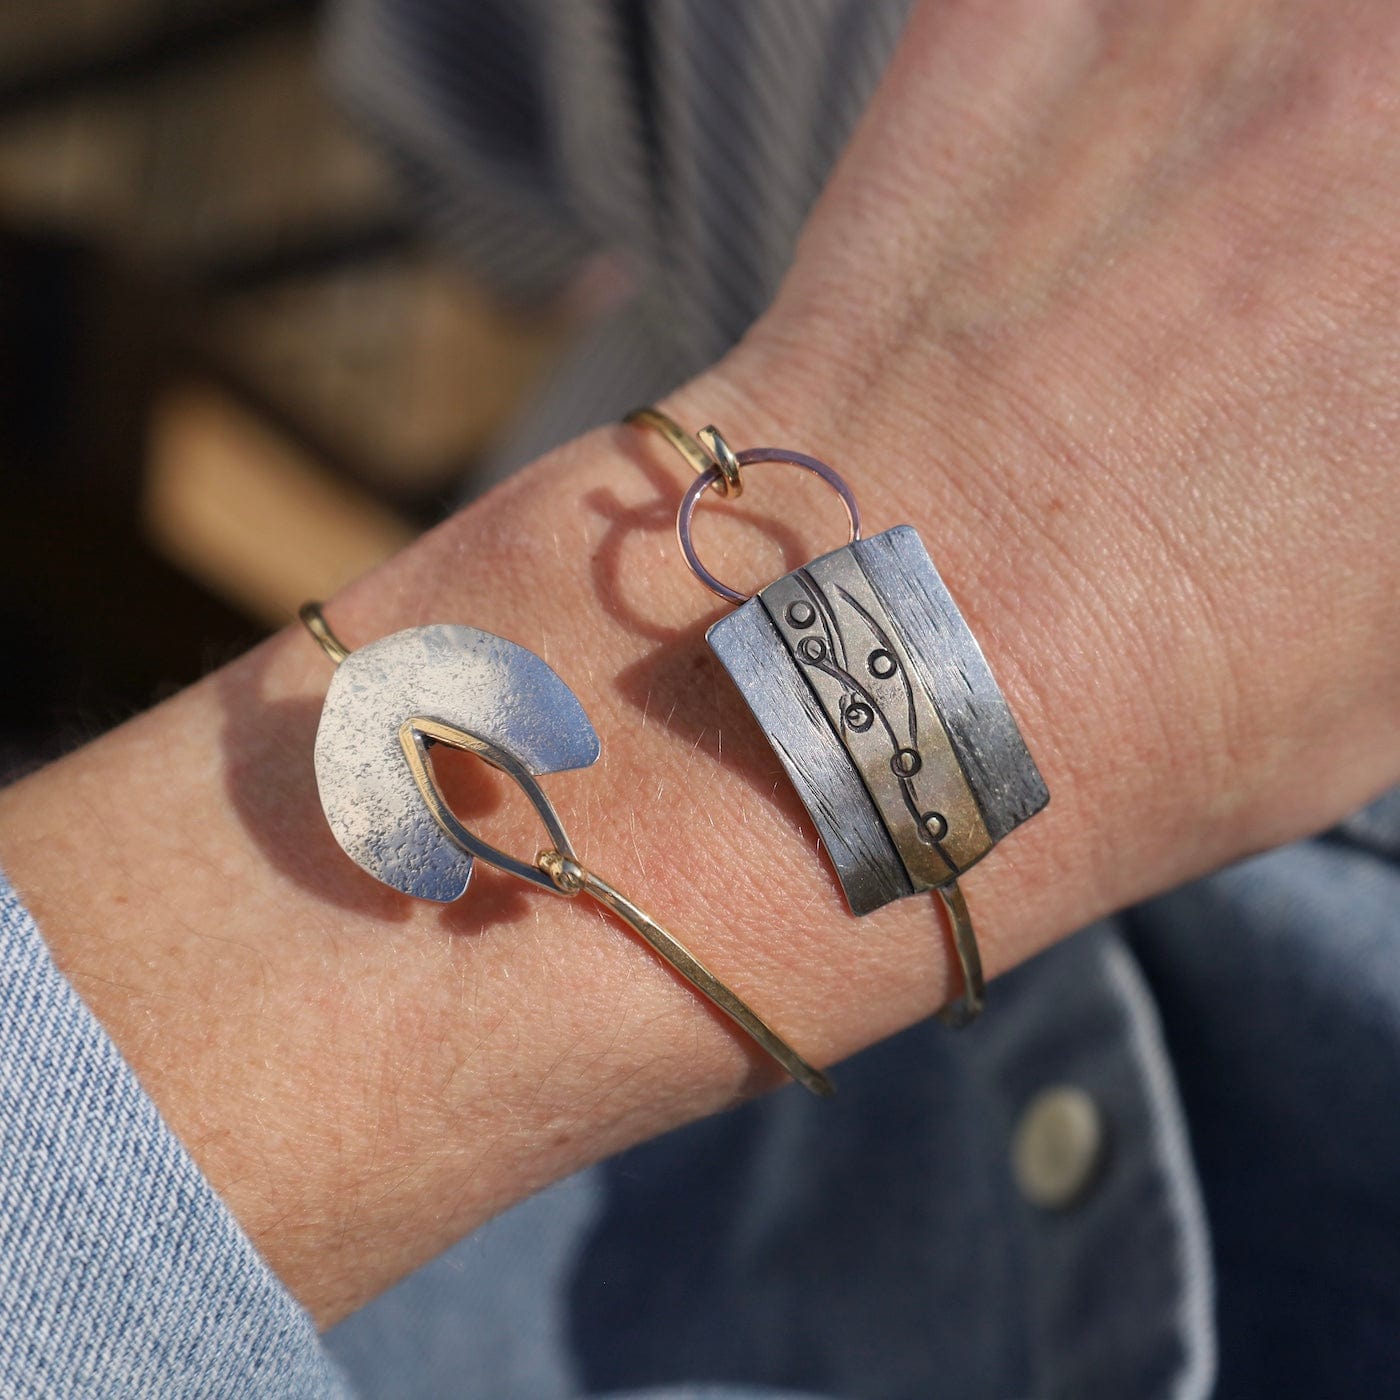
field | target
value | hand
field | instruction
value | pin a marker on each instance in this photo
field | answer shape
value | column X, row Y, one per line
column 1106, row 301
column 1115, row 296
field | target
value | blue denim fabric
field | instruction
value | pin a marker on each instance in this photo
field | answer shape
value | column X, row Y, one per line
column 121, row 1272
column 1278, row 983
column 877, row 1247
column 873, row 1246
column 1241, row 1038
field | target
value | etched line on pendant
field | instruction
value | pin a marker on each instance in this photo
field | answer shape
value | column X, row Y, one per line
column 888, row 648
column 905, row 759
column 830, row 625
column 852, row 711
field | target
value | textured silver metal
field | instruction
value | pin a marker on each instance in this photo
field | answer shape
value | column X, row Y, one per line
column 463, row 678
column 856, row 664
column 950, row 665
column 883, row 711
column 418, row 734
column 753, row 652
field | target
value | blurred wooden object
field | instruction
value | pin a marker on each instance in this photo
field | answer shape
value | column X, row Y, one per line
column 230, row 154
column 399, row 366
column 244, row 511
column 230, row 174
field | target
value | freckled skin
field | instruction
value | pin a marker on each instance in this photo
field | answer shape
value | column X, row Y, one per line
column 1105, row 301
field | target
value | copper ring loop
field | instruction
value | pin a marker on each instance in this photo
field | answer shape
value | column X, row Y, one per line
column 752, row 457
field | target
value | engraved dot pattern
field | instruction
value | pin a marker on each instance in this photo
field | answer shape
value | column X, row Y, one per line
column 882, row 664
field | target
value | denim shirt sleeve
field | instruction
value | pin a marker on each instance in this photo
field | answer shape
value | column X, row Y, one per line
column 121, row 1271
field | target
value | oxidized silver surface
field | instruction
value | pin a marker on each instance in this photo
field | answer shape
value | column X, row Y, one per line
column 465, row 678
column 881, row 707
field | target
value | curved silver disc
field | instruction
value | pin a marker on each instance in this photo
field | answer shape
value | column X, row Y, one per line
column 466, row 678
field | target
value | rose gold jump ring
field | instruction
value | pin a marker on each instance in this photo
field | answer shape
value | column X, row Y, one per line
column 750, row 458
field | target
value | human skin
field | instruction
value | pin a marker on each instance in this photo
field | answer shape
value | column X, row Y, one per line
column 1104, row 299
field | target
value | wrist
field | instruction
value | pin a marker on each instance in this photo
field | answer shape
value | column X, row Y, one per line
column 365, row 1078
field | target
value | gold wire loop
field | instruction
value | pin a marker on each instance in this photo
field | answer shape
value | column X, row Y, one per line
column 713, row 440
column 700, row 458
column 314, row 620
column 559, row 869
column 567, row 874
column 417, row 733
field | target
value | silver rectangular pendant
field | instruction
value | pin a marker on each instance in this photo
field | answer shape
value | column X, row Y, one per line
column 878, row 701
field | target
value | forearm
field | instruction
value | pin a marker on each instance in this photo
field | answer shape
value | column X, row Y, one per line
column 364, row 1079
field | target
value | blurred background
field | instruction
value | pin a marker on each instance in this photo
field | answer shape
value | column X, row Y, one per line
column 233, row 373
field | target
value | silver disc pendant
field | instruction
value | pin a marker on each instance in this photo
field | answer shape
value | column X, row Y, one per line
column 465, row 679
column 391, row 702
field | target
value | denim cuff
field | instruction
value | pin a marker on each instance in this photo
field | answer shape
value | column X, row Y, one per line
column 121, row 1271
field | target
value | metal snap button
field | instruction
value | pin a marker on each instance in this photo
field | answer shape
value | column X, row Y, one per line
column 1057, row 1146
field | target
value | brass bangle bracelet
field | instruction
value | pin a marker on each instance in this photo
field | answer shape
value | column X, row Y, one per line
column 876, row 698
column 857, row 666
column 391, row 702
